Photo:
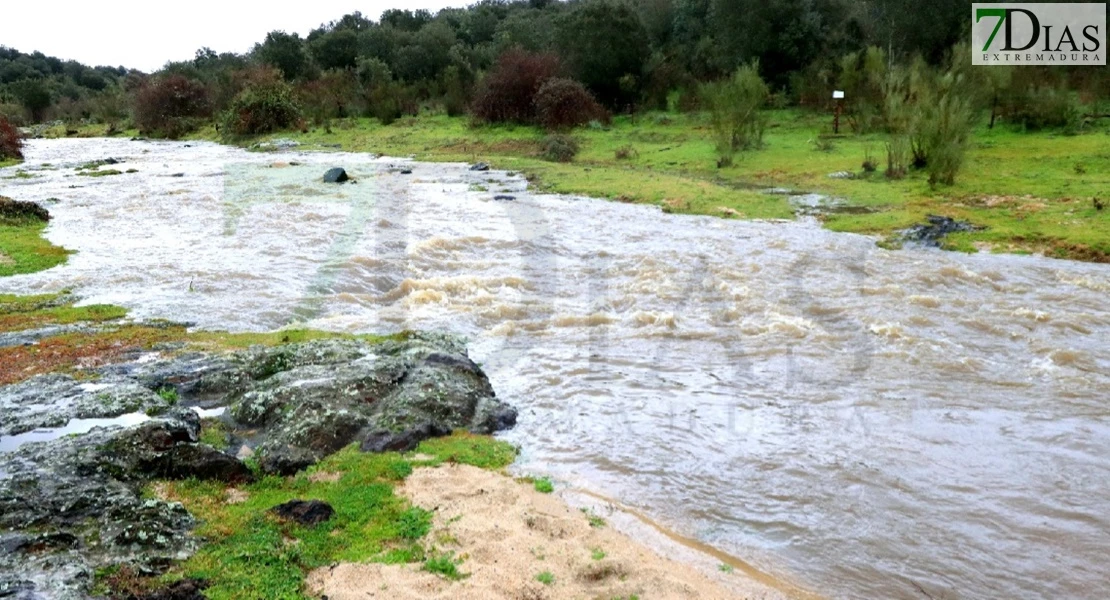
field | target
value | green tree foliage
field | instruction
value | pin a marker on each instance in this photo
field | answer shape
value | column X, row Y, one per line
column 285, row 52
column 602, row 41
column 266, row 104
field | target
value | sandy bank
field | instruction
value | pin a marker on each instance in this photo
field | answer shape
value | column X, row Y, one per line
column 508, row 534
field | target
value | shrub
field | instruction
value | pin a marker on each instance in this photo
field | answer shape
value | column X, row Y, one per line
column 626, row 152
column 508, row 91
column 1042, row 107
column 20, row 212
column 564, row 103
column 734, row 109
column 945, row 128
column 11, row 141
column 171, row 106
column 559, row 148
column 265, row 105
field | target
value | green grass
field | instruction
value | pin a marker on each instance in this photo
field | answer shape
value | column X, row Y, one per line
column 544, row 485
column 18, row 313
column 597, row 554
column 251, row 554
column 100, row 173
column 215, row 433
column 546, row 578
column 1024, row 187
column 10, row 162
column 24, row 250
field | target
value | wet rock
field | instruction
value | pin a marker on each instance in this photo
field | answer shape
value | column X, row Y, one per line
column 480, row 167
column 933, row 232
column 406, row 171
column 309, row 400
column 336, row 175
column 168, row 449
column 504, row 197
column 286, row 460
column 308, row 513
column 48, row 401
column 400, row 441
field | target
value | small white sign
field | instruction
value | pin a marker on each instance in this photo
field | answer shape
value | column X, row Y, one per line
column 837, row 95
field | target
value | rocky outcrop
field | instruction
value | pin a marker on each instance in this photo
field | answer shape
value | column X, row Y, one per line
column 935, row 230
column 73, row 504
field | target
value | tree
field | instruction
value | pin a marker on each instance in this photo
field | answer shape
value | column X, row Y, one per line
column 336, row 49
column 285, row 52
column 34, row 95
column 602, row 41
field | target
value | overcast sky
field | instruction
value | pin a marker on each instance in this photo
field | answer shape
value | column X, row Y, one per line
column 145, row 35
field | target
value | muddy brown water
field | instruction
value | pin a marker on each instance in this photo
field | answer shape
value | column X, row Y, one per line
column 865, row 423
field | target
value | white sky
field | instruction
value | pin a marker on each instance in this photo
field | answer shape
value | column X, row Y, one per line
column 146, row 34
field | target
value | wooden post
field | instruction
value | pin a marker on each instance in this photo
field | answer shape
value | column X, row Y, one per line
column 838, row 96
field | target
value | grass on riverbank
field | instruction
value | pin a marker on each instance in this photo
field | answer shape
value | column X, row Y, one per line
column 249, row 553
column 23, row 249
column 1032, row 191
column 105, row 340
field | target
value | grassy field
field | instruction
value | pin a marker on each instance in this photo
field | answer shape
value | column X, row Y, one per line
column 1033, row 192
column 24, row 250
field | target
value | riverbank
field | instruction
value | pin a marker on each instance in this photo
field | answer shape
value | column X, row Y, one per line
column 441, row 519
column 1028, row 192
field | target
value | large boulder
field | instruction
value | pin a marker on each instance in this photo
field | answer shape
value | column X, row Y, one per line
column 312, row 399
column 336, row 175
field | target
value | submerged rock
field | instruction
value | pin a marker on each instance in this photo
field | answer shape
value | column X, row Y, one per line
column 479, row 167
column 931, row 234
column 308, row 513
column 336, row 175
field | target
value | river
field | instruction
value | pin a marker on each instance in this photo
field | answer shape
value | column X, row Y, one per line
column 866, row 423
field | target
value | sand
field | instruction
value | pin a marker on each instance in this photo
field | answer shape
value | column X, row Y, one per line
column 508, row 533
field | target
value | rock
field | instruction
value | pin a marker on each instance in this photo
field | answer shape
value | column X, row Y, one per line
column 287, row 460
column 168, row 449
column 406, row 171
column 307, row 513
column 504, row 197
column 842, row 175
column 312, row 399
column 184, row 589
column 336, row 175
column 403, row 441
column 480, row 167
column 937, row 228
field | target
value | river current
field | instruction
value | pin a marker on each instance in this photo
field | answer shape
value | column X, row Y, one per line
column 864, row 422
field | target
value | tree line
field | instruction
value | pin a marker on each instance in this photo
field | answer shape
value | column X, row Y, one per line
column 628, row 55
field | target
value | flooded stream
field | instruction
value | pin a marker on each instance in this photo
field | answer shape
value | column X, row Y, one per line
column 866, row 423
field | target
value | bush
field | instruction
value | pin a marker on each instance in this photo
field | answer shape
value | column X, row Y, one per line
column 11, row 141
column 508, row 91
column 15, row 211
column 1042, row 107
column 265, row 105
column 171, row 106
column 734, row 109
column 626, row 152
column 564, row 103
column 945, row 128
column 559, row 148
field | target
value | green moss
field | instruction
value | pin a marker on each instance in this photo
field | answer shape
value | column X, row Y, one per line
column 100, row 173
column 18, row 313
column 674, row 167
column 251, row 554
column 546, row 578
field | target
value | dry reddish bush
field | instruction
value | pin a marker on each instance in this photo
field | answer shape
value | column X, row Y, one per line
column 11, row 140
column 171, row 106
column 508, row 91
column 565, row 103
